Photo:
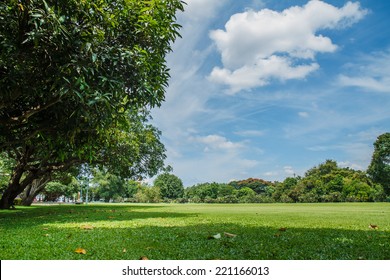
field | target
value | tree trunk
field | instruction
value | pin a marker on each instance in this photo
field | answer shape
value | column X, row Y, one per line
column 16, row 186
column 28, row 200
column 13, row 189
column 34, row 189
column 9, row 195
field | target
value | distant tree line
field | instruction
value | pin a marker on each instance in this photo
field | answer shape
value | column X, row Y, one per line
column 326, row 182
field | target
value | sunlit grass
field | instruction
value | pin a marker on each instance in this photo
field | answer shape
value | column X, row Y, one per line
column 184, row 231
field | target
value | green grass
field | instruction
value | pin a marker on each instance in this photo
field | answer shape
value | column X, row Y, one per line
column 182, row 231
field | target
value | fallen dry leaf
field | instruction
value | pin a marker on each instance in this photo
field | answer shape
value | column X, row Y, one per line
column 45, row 228
column 46, row 234
column 144, row 258
column 373, row 226
column 87, row 227
column 80, row 251
column 124, row 250
column 110, row 217
column 230, row 235
column 282, row 229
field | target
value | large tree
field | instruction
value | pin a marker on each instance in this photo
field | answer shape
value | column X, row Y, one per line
column 171, row 186
column 75, row 79
column 379, row 168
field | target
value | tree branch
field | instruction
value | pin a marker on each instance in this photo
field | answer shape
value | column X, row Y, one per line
column 29, row 113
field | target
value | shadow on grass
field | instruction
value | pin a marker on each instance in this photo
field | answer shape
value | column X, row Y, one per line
column 39, row 215
column 129, row 232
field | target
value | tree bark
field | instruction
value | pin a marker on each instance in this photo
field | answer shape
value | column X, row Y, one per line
column 13, row 189
column 34, row 189
column 17, row 184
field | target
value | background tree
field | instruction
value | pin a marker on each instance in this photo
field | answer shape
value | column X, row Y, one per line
column 54, row 190
column 148, row 194
column 258, row 185
column 379, row 169
column 71, row 74
column 108, row 186
column 131, row 188
column 171, row 186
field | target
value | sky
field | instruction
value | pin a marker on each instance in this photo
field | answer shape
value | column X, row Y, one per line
column 269, row 89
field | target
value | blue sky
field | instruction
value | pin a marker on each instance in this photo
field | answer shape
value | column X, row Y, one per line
column 269, row 89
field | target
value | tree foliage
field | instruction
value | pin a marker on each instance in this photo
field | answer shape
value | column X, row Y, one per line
column 257, row 185
column 107, row 186
column 55, row 189
column 171, row 186
column 76, row 78
column 148, row 194
column 379, row 168
column 5, row 170
column 326, row 182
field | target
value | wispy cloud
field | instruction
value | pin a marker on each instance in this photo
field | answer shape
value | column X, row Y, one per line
column 303, row 114
column 372, row 73
column 287, row 127
column 217, row 142
column 250, row 133
column 259, row 46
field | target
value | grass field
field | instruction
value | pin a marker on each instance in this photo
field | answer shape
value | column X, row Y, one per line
column 188, row 231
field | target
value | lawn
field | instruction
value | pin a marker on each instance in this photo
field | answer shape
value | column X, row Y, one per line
column 197, row 231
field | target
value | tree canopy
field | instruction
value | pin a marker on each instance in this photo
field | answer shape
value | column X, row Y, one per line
column 379, row 168
column 171, row 186
column 76, row 79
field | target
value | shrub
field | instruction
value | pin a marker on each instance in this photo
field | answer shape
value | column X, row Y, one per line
column 286, row 199
column 332, row 197
column 309, row 197
column 181, row 200
column 227, row 199
column 261, row 198
column 209, row 200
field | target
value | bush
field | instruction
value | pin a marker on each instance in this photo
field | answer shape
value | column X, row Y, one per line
column 130, row 200
column 181, row 200
column 261, row 198
column 286, row 199
column 209, row 200
column 332, row 197
column 195, row 199
column 309, row 197
column 227, row 199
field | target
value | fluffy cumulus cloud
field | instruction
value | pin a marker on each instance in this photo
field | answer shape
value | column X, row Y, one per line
column 259, row 46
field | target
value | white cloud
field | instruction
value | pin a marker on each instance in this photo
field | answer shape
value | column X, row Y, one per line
column 198, row 10
column 372, row 74
column 356, row 154
column 259, row 74
column 217, row 142
column 259, row 46
column 368, row 83
column 303, row 114
column 289, row 170
column 250, row 133
column 271, row 173
column 349, row 164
